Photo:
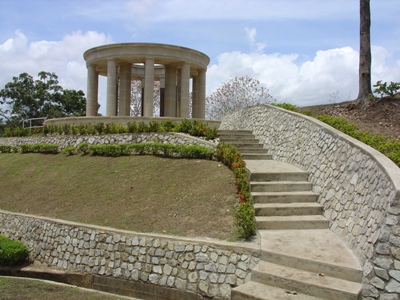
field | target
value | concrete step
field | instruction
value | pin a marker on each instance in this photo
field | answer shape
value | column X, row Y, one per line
column 291, row 222
column 310, row 283
column 287, row 209
column 284, row 197
column 243, row 145
column 270, row 170
column 318, row 251
column 276, row 176
column 258, row 291
column 233, row 132
column 256, row 156
column 233, row 139
column 253, row 150
column 280, row 186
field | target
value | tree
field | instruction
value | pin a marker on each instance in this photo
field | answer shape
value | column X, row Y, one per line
column 236, row 93
column 364, row 70
column 136, row 98
column 24, row 98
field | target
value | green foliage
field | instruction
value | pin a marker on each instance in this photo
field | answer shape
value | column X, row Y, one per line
column 167, row 150
column 83, row 148
column 244, row 216
column 8, row 149
column 24, row 98
column 192, row 127
column 381, row 143
column 288, row 106
column 16, row 132
column 12, row 253
column 69, row 150
column 385, row 89
column 244, row 220
column 39, row 148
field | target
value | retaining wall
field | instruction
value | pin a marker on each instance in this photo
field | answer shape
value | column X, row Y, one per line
column 358, row 186
column 209, row 268
column 125, row 138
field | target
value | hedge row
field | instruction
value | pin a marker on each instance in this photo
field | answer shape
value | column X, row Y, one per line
column 192, row 127
column 244, row 216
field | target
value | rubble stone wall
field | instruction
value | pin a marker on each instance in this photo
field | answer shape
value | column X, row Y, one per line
column 125, row 138
column 206, row 267
column 358, row 187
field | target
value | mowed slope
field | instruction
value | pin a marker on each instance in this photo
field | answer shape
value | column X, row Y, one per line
column 193, row 198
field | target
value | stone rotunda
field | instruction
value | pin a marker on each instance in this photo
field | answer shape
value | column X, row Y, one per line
column 177, row 68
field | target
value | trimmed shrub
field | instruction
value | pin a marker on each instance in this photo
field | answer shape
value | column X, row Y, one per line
column 39, row 148
column 8, row 149
column 12, row 253
column 244, row 216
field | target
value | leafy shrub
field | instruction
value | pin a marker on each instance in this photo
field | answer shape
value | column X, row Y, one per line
column 385, row 89
column 70, row 150
column 8, row 149
column 12, row 253
column 83, row 148
column 288, row 106
column 168, row 150
column 16, row 132
column 391, row 149
column 39, row 148
column 244, row 220
column 244, row 216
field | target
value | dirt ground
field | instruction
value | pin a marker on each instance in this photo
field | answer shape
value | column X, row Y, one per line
column 380, row 117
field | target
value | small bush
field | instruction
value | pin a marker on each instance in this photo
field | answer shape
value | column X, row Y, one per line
column 12, row 253
column 39, row 148
column 70, row 150
column 7, row 149
column 83, row 148
column 244, row 220
column 244, row 216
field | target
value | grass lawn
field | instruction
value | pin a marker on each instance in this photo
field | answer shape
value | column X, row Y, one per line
column 27, row 289
column 194, row 198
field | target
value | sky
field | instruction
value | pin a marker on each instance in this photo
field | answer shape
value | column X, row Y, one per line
column 304, row 51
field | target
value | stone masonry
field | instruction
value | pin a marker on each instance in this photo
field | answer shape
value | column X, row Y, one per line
column 358, row 186
column 209, row 268
column 125, row 138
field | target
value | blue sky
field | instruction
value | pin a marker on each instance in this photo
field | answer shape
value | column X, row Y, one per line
column 305, row 52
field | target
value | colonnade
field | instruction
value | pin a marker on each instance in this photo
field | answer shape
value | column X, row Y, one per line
column 176, row 68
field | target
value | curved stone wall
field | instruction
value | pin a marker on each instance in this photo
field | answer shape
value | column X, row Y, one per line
column 125, row 138
column 205, row 267
column 358, row 186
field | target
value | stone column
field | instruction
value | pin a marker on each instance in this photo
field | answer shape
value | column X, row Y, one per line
column 92, row 91
column 185, row 85
column 148, row 87
column 111, row 88
column 125, row 89
column 195, row 98
column 201, row 109
column 170, row 91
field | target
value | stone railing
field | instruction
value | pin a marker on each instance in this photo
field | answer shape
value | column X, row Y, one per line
column 358, row 186
column 125, row 138
column 209, row 268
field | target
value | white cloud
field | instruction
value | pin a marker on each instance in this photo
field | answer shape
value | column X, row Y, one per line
column 65, row 57
column 309, row 83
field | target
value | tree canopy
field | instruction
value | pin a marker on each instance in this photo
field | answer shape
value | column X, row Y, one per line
column 25, row 98
column 236, row 93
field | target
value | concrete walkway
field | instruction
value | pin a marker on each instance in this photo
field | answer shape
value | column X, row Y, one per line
column 300, row 257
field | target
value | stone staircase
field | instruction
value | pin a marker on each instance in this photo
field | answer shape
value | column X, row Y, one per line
column 300, row 257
